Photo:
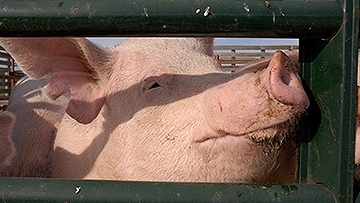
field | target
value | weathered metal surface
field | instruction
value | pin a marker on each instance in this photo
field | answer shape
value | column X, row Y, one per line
column 328, row 33
column 49, row 190
column 330, row 71
column 255, row 18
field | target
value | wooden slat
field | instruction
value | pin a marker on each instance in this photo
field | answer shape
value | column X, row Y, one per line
column 6, row 63
column 236, row 61
column 233, row 57
column 5, row 83
column 5, row 91
column 4, row 70
column 240, row 54
column 5, row 55
column 281, row 47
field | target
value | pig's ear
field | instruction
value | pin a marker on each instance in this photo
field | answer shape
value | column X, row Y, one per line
column 208, row 45
column 75, row 65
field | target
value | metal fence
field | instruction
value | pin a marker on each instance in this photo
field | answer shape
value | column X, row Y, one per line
column 234, row 57
column 8, row 77
column 328, row 47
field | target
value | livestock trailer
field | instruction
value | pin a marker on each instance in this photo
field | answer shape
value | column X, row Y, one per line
column 328, row 42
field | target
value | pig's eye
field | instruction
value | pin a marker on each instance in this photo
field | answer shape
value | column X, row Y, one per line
column 154, row 85
column 151, row 85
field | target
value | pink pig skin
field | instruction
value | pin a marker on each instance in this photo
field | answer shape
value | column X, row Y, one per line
column 357, row 135
column 6, row 146
column 357, row 138
column 158, row 109
column 34, row 130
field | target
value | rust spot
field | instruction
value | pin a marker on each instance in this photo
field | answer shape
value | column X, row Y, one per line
column 74, row 10
column 216, row 197
column 317, row 154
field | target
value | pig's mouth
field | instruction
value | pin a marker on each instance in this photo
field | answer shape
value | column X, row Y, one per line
column 270, row 138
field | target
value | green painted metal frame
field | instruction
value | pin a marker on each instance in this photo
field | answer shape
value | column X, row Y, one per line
column 330, row 70
column 50, row 190
column 257, row 18
column 328, row 33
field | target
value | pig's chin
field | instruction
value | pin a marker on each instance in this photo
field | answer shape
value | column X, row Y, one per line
column 273, row 138
column 250, row 156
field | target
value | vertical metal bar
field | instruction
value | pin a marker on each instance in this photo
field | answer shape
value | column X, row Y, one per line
column 233, row 57
column 327, row 151
column 262, row 53
column 12, row 72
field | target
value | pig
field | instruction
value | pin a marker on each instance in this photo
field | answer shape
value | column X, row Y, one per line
column 357, row 127
column 33, row 134
column 357, row 138
column 160, row 109
column 6, row 146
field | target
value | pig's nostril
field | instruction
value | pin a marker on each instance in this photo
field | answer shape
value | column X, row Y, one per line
column 284, row 83
column 285, row 76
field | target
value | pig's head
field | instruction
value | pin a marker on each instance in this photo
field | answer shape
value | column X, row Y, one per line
column 161, row 110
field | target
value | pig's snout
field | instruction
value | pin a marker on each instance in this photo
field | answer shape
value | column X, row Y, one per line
column 283, row 83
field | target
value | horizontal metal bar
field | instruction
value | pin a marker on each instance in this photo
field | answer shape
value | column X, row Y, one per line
column 257, row 48
column 7, row 63
column 50, row 190
column 224, row 62
column 252, row 18
column 255, row 55
column 5, row 91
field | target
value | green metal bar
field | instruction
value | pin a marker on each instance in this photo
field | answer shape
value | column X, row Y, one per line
column 49, row 190
column 330, row 69
column 249, row 18
column 326, row 152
